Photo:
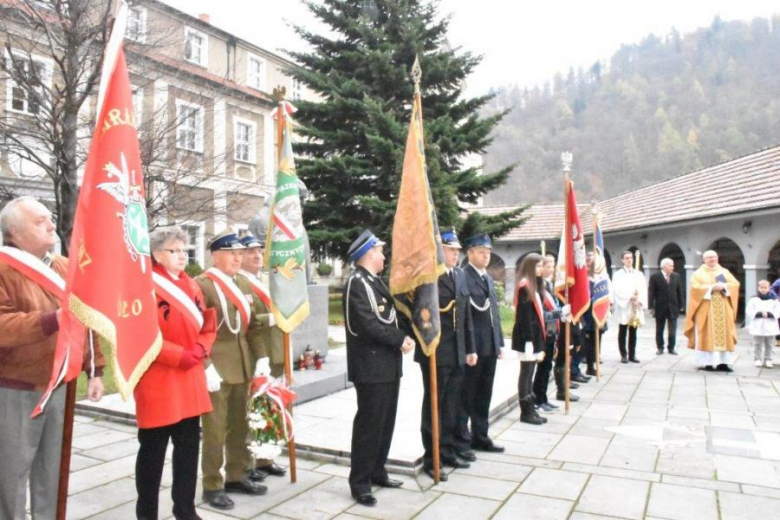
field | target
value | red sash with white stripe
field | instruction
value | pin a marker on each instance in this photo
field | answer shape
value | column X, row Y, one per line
column 231, row 290
column 258, row 287
column 537, row 303
column 549, row 303
column 179, row 300
column 34, row 269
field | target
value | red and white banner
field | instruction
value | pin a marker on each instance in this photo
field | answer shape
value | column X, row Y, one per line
column 572, row 272
column 233, row 293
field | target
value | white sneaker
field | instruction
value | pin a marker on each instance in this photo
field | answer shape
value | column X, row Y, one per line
column 758, row 363
column 768, row 363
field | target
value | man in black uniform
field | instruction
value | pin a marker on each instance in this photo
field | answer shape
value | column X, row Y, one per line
column 477, row 387
column 456, row 348
column 375, row 344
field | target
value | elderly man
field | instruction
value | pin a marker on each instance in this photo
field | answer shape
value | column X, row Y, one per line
column 228, row 375
column 455, row 350
column 266, row 339
column 629, row 291
column 375, row 344
column 712, row 312
column 488, row 340
column 30, row 449
column 665, row 299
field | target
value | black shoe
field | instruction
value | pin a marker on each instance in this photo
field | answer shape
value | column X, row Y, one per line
column 580, row 378
column 723, row 367
column 467, row 455
column 659, row 352
column 531, row 419
column 365, row 499
column 573, row 386
column 623, row 359
column 672, row 352
column 246, row 486
column 591, row 372
column 572, row 398
column 709, row 368
column 388, row 483
column 442, row 476
column 257, row 475
column 274, row 469
column 633, row 360
column 490, row 448
column 218, row 499
column 455, row 463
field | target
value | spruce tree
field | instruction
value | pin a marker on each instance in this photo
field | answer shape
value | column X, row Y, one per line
column 351, row 154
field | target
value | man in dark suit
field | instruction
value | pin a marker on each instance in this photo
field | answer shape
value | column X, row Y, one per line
column 477, row 389
column 456, row 349
column 665, row 300
column 375, row 345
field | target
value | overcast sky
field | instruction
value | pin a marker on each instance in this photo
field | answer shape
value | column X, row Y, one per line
column 522, row 41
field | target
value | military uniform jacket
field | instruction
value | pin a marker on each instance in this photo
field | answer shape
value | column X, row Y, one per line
column 488, row 338
column 269, row 341
column 234, row 353
column 457, row 327
column 374, row 338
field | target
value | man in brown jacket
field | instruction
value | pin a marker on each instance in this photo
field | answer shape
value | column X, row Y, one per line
column 29, row 320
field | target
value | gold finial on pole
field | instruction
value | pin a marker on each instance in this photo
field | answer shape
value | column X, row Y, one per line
column 279, row 93
column 566, row 160
column 416, row 73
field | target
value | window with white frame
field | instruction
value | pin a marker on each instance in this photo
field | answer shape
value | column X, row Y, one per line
column 136, row 24
column 29, row 77
column 195, row 246
column 296, row 89
column 138, row 104
column 189, row 126
column 196, row 46
column 256, row 71
column 244, row 137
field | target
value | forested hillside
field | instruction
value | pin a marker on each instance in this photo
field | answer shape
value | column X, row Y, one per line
column 655, row 110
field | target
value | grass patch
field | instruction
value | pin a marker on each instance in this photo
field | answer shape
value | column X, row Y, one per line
column 108, row 375
column 335, row 313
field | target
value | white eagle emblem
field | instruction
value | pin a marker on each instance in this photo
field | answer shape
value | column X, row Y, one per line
column 579, row 248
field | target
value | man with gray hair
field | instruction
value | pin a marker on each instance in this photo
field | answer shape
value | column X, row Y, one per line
column 666, row 301
column 29, row 320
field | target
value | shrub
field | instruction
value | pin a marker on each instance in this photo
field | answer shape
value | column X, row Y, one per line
column 193, row 269
column 324, row 269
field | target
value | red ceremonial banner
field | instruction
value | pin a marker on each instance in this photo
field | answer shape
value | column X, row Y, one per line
column 109, row 285
column 573, row 261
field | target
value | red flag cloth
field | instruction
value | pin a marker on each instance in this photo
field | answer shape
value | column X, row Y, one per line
column 572, row 261
column 109, row 285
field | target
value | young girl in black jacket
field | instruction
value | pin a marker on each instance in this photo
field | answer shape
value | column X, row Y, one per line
column 530, row 318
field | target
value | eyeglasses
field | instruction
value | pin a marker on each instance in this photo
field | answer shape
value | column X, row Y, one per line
column 176, row 251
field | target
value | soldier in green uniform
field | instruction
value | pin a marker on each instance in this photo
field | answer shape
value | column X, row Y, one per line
column 229, row 372
column 266, row 338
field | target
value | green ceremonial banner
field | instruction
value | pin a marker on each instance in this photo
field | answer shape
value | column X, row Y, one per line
column 285, row 240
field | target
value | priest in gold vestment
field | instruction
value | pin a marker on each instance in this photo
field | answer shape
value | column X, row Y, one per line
column 710, row 321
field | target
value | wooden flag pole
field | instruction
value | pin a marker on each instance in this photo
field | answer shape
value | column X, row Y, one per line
column 67, row 441
column 596, row 327
column 278, row 95
column 566, row 159
column 435, row 418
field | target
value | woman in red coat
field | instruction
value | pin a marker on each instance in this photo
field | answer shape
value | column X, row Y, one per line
column 171, row 396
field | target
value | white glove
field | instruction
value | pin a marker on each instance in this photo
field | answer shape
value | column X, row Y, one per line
column 262, row 368
column 213, row 381
column 271, row 319
column 566, row 312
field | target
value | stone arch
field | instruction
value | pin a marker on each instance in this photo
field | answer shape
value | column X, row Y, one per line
column 773, row 259
column 675, row 252
column 497, row 269
column 522, row 257
column 731, row 257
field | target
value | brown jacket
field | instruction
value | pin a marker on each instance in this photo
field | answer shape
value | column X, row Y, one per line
column 28, row 330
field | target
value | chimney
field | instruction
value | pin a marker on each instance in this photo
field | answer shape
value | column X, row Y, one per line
column 204, row 17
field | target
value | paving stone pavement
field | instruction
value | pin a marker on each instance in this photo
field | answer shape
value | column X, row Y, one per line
column 657, row 440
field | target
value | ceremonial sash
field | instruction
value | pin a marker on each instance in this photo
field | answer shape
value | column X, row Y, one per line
column 258, row 288
column 234, row 294
column 34, row 269
column 540, row 313
column 549, row 302
column 179, row 300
